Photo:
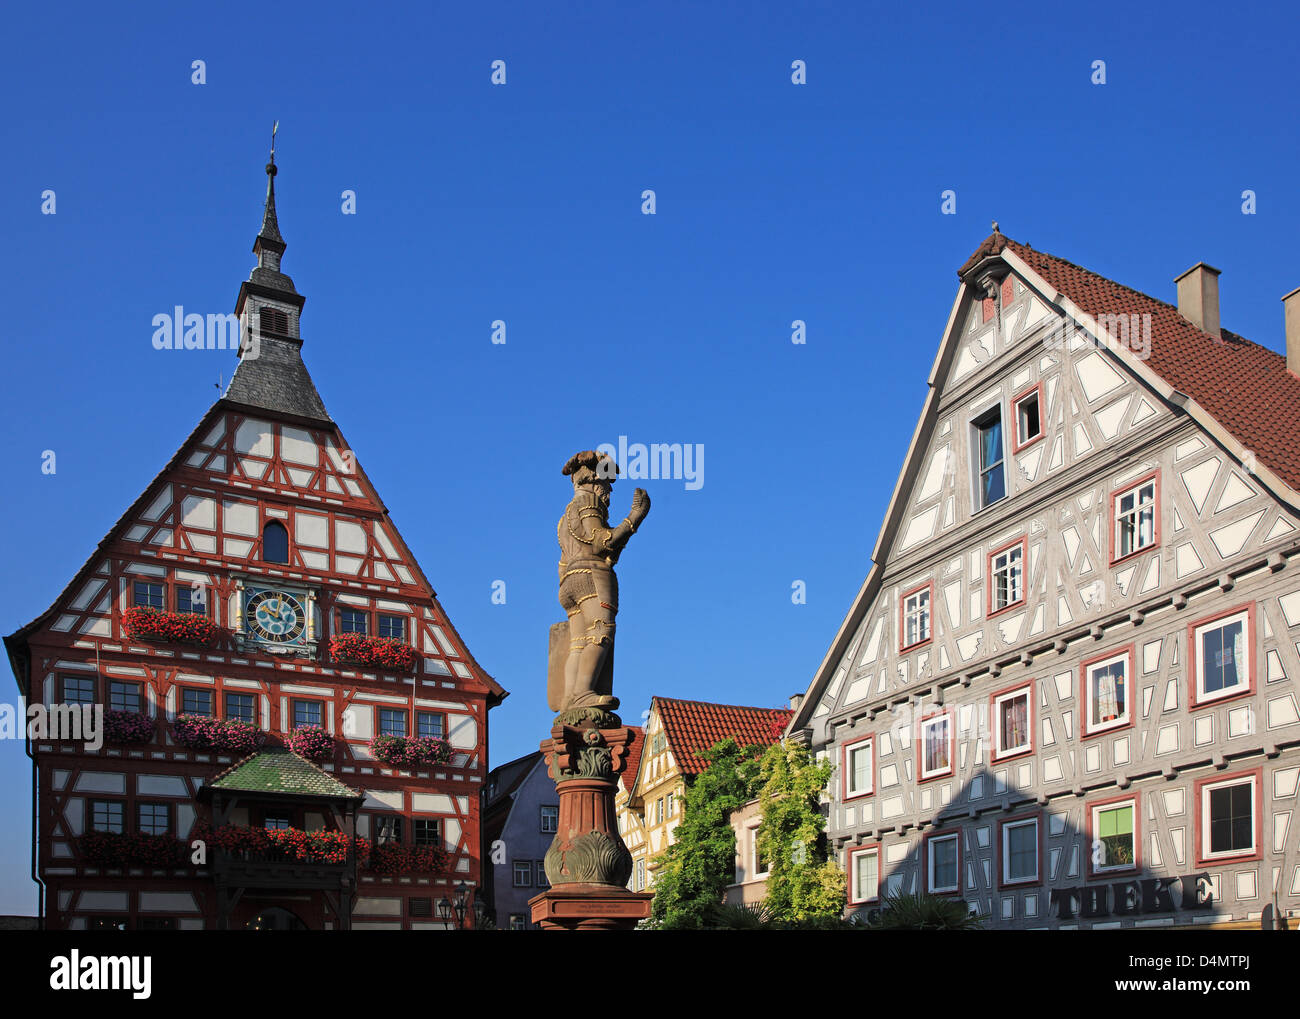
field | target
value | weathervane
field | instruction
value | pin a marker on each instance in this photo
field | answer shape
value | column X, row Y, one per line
column 274, row 127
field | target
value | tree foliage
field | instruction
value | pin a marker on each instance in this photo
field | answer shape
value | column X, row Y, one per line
column 804, row 883
column 695, row 870
column 903, row 912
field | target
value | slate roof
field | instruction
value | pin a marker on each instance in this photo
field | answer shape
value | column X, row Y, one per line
column 1245, row 387
column 283, row 773
column 276, row 380
column 505, row 779
column 693, row 726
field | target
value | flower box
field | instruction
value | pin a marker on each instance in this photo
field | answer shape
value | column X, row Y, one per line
column 376, row 652
column 408, row 752
column 311, row 742
column 272, row 845
column 118, row 849
column 171, row 627
column 127, row 727
column 390, row 860
column 203, row 732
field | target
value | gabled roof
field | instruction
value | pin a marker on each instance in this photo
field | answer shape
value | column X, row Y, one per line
column 692, row 727
column 505, row 779
column 633, row 757
column 279, row 772
column 1223, row 383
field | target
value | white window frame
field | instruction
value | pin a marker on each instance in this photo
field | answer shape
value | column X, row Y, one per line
column 1000, row 751
column 942, row 719
column 1014, row 569
column 1022, row 822
column 1243, row 668
column 856, row 898
column 515, row 868
column 918, row 606
column 544, row 816
column 1093, row 828
column 1121, row 517
column 1122, row 720
column 1032, row 395
column 1230, row 854
column 931, row 887
column 754, row 857
column 867, row 745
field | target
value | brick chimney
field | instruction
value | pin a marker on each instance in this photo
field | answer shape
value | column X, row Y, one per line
column 796, row 699
column 1291, row 316
column 1198, row 297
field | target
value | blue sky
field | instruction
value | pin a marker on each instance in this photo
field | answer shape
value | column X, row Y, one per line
column 522, row 203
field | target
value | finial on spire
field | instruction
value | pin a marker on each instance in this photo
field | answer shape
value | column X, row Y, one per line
column 268, row 237
column 995, row 222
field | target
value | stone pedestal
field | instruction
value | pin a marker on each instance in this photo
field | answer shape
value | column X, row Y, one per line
column 587, row 865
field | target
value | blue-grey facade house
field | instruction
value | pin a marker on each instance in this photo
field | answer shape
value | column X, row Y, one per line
column 521, row 811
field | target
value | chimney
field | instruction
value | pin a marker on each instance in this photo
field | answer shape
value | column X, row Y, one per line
column 797, row 698
column 1291, row 316
column 1198, row 297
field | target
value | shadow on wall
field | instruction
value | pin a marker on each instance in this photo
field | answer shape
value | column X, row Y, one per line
column 1076, row 861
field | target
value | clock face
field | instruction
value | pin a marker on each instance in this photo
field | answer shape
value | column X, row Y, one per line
column 275, row 617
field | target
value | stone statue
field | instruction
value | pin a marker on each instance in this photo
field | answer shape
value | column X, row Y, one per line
column 581, row 668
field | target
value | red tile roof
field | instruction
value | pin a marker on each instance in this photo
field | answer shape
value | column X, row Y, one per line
column 1245, row 387
column 694, row 726
column 633, row 756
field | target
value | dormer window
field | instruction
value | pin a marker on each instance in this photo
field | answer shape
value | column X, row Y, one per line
column 275, row 543
column 989, row 457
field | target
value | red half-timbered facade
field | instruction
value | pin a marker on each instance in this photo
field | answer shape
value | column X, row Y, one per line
column 256, row 589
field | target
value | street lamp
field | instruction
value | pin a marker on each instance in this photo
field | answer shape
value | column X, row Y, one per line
column 447, row 907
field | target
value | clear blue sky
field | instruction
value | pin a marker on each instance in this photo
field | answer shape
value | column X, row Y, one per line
column 522, row 202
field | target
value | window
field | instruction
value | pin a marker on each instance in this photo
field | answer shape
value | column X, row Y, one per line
column 273, row 320
column 1137, row 518
column 419, row 908
column 388, row 830
column 1007, row 576
column 1019, row 850
column 275, row 543
column 1011, row 722
column 1229, row 826
column 517, row 922
column 757, row 861
column 1224, row 648
column 864, row 874
column 672, row 804
column 943, row 864
column 430, row 725
column 78, row 690
column 352, row 621
column 1113, row 836
column 241, row 707
column 191, row 600
column 428, row 831
column 658, row 742
column 277, row 822
column 539, row 868
column 108, row 815
column 1106, row 696
column 916, row 617
column 640, row 875
column 392, row 722
column 196, row 702
column 523, row 873
column 307, row 713
column 936, row 746
column 149, row 596
column 991, row 485
column 859, row 771
column 123, row 696
column 550, row 819
column 659, row 810
column 392, row 626
column 154, row 818
column 1029, row 425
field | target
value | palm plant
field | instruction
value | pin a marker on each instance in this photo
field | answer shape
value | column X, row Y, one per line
column 904, row 912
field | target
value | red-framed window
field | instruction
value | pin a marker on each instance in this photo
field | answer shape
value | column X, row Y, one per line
column 124, row 695
column 859, row 766
column 430, row 724
column 306, row 711
column 1007, row 576
column 1230, row 818
column 197, row 700
column 359, row 619
column 1020, row 851
column 863, row 866
column 1221, row 656
column 1027, row 418
column 1135, row 517
column 942, row 863
column 1011, row 718
column 1106, row 691
column 77, row 688
column 168, row 595
column 916, row 617
column 394, row 722
column 1113, row 830
column 936, row 746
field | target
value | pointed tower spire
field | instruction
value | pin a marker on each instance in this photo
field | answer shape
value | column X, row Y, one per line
column 269, row 245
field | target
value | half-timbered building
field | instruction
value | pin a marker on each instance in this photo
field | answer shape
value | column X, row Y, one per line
column 1066, row 692
column 294, row 734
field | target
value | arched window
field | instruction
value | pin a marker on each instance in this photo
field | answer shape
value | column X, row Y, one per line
column 275, row 543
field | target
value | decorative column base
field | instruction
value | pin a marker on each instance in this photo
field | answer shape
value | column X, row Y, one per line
column 588, row 865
